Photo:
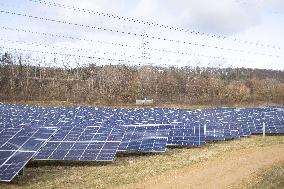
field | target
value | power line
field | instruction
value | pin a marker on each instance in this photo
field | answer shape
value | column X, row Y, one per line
column 121, row 55
column 109, row 43
column 109, row 15
column 63, row 48
column 64, row 54
column 67, row 37
column 116, row 60
column 133, row 33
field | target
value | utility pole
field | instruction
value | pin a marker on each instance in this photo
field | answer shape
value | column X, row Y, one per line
column 144, row 57
column 157, row 74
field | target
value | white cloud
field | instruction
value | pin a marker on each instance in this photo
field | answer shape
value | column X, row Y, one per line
column 250, row 20
column 222, row 16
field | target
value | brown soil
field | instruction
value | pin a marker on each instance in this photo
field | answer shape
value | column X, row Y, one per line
column 226, row 172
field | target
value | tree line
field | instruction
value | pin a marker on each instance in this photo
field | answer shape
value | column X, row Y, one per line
column 111, row 84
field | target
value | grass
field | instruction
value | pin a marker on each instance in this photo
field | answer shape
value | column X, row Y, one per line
column 273, row 179
column 127, row 105
column 132, row 105
column 128, row 168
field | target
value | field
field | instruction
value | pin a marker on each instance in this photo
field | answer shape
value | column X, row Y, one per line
column 132, row 105
column 138, row 170
column 272, row 179
column 141, row 94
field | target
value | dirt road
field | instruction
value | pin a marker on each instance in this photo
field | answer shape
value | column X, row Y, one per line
column 230, row 170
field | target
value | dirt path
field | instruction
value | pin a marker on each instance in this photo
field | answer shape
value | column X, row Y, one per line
column 224, row 172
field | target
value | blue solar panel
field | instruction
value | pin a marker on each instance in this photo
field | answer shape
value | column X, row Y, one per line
column 186, row 128
column 181, row 130
column 14, row 164
column 20, row 145
column 96, row 134
column 145, row 138
column 214, row 128
column 191, row 135
column 75, row 151
column 24, row 138
column 214, row 132
column 78, row 143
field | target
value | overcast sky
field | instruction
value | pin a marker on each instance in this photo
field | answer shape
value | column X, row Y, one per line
column 223, row 33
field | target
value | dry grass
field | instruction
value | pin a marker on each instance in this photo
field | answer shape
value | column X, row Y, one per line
column 129, row 168
column 273, row 178
column 268, row 177
column 131, row 106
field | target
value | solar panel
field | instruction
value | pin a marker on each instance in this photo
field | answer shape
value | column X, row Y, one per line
column 78, row 127
column 96, row 134
column 214, row 129
column 79, row 150
column 145, row 138
column 274, row 120
column 214, row 132
column 20, row 146
column 14, row 164
column 183, row 134
column 143, row 132
column 185, row 128
column 181, row 130
column 231, row 123
column 91, row 143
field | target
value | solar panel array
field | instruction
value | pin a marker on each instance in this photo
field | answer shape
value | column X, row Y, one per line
column 98, row 134
column 144, row 138
column 17, row 146
column 90, row 143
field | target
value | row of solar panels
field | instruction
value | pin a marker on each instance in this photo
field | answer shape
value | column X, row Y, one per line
column 97, row 134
